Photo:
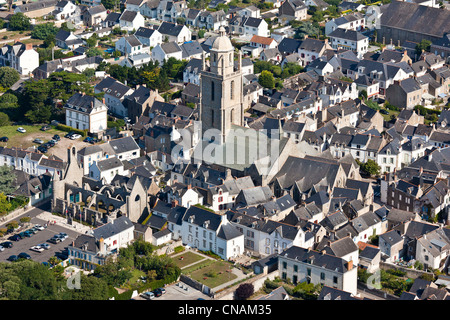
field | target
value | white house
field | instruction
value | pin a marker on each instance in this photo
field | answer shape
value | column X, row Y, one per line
column 130, row 45
column 305, row 265
column 115, row 93
column 131, row 20
column 86, row 112
column 149, row 37
column 349, row 39
column 353, row 21
column 66, row 10
column 105, row 170
column 208, row 231
column 266, row 237
column 19, row 56
column 90, row 250
column 162, row 52
column 175, row 32
column 184, row 195
column 125, row 148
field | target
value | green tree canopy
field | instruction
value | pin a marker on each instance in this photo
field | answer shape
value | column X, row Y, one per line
column 266, row 79
column 44, row 30
column 19, row 22
column 8, row 76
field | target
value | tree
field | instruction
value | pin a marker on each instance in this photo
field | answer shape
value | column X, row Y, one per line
column 110, row 4
column 371, row 167
column 8, row 76
column 266, row 79
column 4, row 119
column 244, row 291
column 92, row 41
column 42, row 31
column 424, row 45
column 201, row 34
column 92, row 52
column 19, row 22
column 5, row 205
column 7, row 178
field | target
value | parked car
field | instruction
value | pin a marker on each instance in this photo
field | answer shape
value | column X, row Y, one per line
column 53, row 141
column 46, row 246
column 24, row 255
column 42, row 149
column 56, row 137
column 54, row 240
column 15, row 237
column 50, row 144
column 68, row 135
column 148, row 295
column 75, row 136
column 2, row 249
column 162, row 290
column 63, row 235
column 39, row 227
column 88, row 139
column 45, row 127
column 38, row 141
column 4, row 139
column 21, row 130
column 37, row 248
column 157, row 293
column 7, row 244
column 13, row 258
column 28, row 234
column 384, row 111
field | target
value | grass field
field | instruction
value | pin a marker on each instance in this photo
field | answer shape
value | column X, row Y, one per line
column 214, row 274
column 188, row 258
column 25, row 140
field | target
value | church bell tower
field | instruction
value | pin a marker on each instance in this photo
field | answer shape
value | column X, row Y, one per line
column 221, row 88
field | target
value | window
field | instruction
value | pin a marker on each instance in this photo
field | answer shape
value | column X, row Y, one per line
column 212, row 90
column 284, row 264
column 322, row 276
column 308, row 272
column 335, row 279
column 295, row 268
column 232, row 90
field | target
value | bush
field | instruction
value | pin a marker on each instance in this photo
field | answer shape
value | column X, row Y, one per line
column 65, row 128
column 244, row 291
column 178, row 249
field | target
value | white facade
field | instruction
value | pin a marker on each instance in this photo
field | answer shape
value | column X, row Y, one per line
column 152, row 41
column 107, row 175
column 136, row 23
column 126, row 47
column 159, row 55
column 301, row 271
column 94, row 121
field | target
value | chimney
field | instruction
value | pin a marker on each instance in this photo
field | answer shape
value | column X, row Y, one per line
column 29, row 46
column 174, row 203
column 104, row 101
column 101, row 245
column 189, row 186
column 350, row 265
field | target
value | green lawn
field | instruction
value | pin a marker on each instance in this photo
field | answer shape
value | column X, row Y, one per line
column 188, row 258
column 215, row 274
column 25, row 140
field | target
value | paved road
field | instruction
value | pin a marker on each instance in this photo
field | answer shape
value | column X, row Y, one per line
column 24, row 245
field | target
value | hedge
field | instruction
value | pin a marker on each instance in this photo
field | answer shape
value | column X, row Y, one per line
column 65, row 128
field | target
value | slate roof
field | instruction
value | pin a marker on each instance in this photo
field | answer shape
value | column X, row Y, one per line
column 169, row 28
column 347, row 34
column 128, row 15
column 83, row 103
column 113, row 228
column 170, row 47
column 122, row 145
column 415, row 18
column 289, row 45
column 327, row 261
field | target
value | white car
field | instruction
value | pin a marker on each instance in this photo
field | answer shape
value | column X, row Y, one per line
column 45, row 246
column 21, row 130
column 75, row 136
column 39, row 227
column 37, row 248
column 1, row 248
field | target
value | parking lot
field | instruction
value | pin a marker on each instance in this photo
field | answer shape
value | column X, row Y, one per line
column 43, row 236
column 179, row 291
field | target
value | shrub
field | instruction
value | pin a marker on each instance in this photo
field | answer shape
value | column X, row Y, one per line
column 178, row 249
column 244, row 291
column 65, row 128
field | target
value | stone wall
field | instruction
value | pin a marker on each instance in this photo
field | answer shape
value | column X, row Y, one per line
column 257, row 281
column 410, row 273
